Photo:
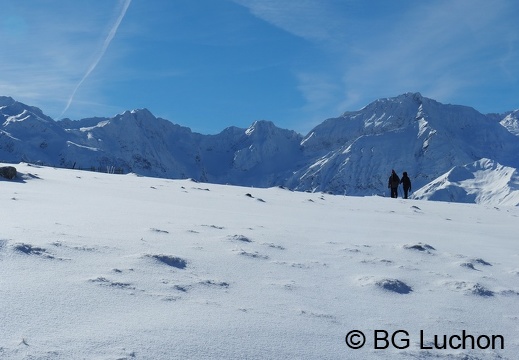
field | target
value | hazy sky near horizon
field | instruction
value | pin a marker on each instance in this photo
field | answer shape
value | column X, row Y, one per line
column 210, row 64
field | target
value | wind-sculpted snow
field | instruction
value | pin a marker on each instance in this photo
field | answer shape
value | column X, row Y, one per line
column 107, row 266
column 352, row 154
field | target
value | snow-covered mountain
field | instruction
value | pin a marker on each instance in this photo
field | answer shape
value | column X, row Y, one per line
column 407, row 133
column 352, row 154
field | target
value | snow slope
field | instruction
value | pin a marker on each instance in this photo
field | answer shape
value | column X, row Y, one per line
column 100, row 266
column 482, row 182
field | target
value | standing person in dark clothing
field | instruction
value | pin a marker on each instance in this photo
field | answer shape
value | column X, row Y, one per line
column 406, row 182
column 393, row 183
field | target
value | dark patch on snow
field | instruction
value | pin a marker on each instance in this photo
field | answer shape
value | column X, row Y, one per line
column 509, row 293
column 482, row 262
column 249, row 195
column 377, row 261
column 30, row 176
column 318, row 315
column 105, row 282
column 480, row 290
column 203, row 189
column 394, row 285
column 274, row 246
column 221, row 284
column 241, row 238
column 172, row 261
column 215, row 227
column 32, row 250
column 420, row 247
column 473, row 288
column 260, row 200
column 303, row 265
column 159, row 231
column 468, row 265
column 351, row 250
column 254, row 255
column 182, row 288
column 85, row 248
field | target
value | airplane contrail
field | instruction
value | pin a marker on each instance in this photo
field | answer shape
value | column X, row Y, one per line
column 106, row 43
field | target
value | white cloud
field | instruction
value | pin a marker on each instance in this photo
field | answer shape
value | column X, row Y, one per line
column 309, row 19
column 438, row 48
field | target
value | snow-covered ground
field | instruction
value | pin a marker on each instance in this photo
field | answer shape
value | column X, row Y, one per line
column 99, row 266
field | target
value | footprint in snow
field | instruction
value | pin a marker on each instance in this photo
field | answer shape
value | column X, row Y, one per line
column 386, row 284
column 199, row 188
column 241, row 238
column 214, row 227
column 254, row 255
column 376, row 261
column 394, row 285
column 159, row 231
column 274, row 246
column 29, row 249
column 470, row 288
column 213, row 283
column 420, row 247
column 481, row 262
column 316, row 315
column 169, row 260
column 113, row 284
column 252, row 197
column 469, row 265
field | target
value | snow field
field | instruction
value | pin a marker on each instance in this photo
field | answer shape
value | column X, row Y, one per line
column 98, row 266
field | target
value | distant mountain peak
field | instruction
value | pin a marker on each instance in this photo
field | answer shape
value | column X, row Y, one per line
column 350, row 154
column 138, row 113
column 6, row 101
column 18, row 111
column 260, row 126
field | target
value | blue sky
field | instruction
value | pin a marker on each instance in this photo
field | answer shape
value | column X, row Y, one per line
column 210, row 64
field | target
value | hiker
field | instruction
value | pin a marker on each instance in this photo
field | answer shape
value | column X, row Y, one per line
column 393, row 183
column 406, row 182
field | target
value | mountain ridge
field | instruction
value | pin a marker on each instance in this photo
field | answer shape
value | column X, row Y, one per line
column 352, row 154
